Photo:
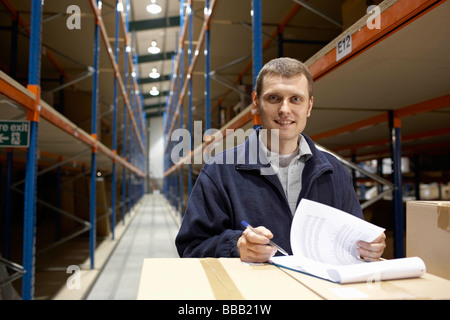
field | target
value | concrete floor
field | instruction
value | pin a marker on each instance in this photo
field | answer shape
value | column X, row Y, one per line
column 151, row 234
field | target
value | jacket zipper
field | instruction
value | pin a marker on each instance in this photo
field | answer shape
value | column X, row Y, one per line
column 274, row 185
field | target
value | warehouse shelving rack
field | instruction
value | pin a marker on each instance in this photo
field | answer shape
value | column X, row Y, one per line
column 46, row 121
column 179, row 87
column 395, row 16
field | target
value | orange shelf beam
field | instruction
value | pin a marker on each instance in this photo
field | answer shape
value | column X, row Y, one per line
column 405, row 138
column 24, row 98
column 421, row 107
column 399, row 15
column 352, row 127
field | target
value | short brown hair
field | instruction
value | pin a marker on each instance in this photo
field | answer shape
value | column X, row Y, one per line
column 286, row 68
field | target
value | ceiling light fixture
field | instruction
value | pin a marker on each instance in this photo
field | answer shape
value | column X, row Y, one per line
column 154, row 74
column 153, row 8
column 119, row 6
column 154, row 91
column 153, row 49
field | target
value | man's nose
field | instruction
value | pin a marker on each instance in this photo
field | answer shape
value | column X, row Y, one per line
column 284, row 108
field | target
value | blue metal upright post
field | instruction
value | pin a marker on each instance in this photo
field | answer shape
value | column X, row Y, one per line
column 191, row 35
column 396, row 156
column 167, row 119
column 257, row 49
column 29, row 228
column 114, row 134
column 280, row 43
column 130, row 134
column 34, row 68
column 130, row 159
column 416, row 161
column 175, row 103
column 124, row 170
column 124, row 132
column 207, row 71
column 181, row 48
column 93, row 202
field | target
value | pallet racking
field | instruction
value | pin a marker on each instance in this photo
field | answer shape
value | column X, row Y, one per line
column 53, row 136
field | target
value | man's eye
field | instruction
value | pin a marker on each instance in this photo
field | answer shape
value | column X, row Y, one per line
column 273, row 98
column 297, row 99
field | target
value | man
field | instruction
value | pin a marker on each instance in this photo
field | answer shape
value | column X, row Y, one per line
column 264, row 187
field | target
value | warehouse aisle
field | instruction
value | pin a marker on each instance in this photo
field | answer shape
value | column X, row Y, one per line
column 151, row 234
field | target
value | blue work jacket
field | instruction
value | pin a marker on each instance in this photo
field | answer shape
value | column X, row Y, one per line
column 227, row 192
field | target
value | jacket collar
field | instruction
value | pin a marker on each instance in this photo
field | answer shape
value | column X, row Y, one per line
column 250, row 156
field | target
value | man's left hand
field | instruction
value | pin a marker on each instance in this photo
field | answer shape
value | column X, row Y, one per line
column 374, row 250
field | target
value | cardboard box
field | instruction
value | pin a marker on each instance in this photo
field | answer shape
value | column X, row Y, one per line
column 221, row 279
column 231, row 279
column 428, row 234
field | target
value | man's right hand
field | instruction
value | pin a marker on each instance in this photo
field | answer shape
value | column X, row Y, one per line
column 254, row 248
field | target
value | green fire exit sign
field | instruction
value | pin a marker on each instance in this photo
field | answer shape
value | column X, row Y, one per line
column 14, row 133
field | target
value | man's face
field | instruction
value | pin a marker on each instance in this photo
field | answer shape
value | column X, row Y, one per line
column 285, row 105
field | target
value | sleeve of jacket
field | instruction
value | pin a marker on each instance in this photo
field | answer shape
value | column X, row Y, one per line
column 206, row 230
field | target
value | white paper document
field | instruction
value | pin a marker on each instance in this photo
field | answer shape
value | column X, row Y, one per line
column 324, row 244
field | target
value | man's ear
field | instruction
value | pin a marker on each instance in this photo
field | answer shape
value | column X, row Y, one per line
column 311, row 101
column 255, row 102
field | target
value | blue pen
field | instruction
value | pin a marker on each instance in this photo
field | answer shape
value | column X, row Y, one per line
column 245, row 224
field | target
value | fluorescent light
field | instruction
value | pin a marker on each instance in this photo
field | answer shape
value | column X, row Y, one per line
column 154, row 74
column 119, row 6
column 154, row 91
column 153, row 8
column 153, row 49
